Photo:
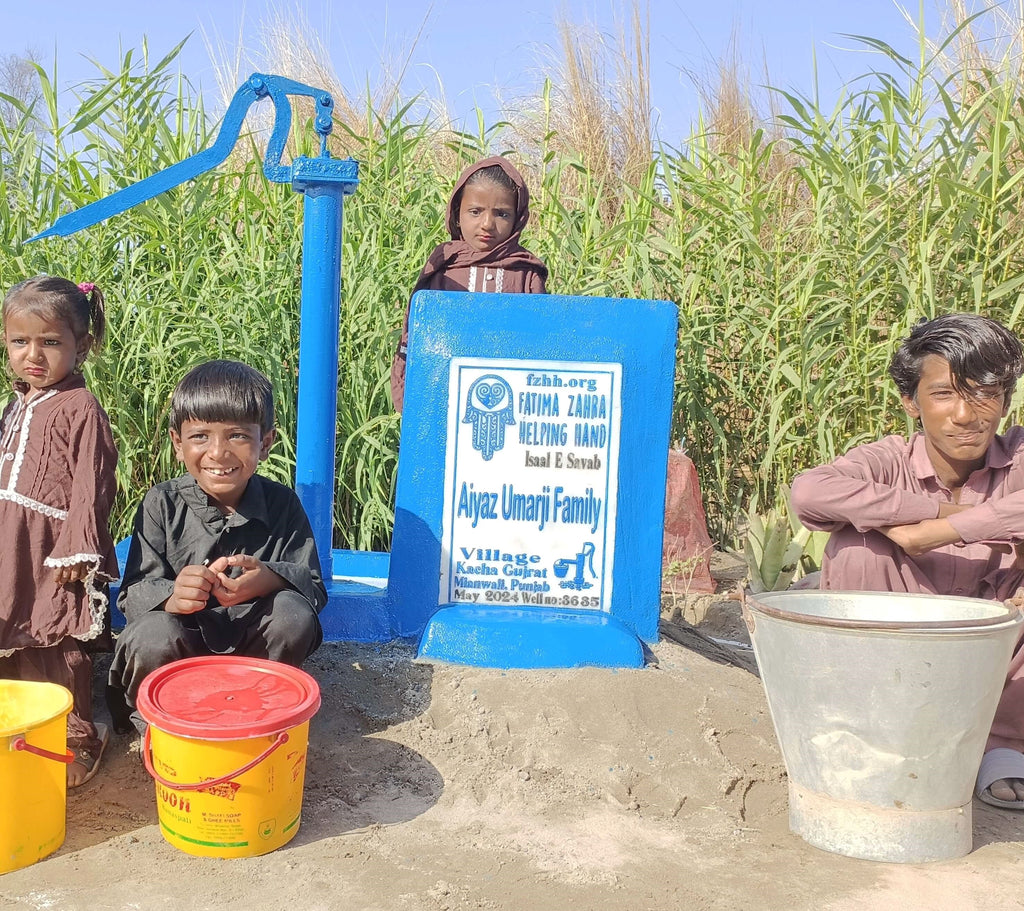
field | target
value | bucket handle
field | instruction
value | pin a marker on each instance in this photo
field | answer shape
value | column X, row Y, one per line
column 147, row 760
column 20, row 744
column 748, row 617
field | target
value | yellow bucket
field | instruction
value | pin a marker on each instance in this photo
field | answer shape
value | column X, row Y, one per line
column 33, row 772
column 226, row 746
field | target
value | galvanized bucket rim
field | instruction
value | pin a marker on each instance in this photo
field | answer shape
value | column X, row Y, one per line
column 1012, row 612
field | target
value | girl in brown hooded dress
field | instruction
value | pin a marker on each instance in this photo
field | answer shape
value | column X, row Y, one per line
column 489, row 208
column 57, row 484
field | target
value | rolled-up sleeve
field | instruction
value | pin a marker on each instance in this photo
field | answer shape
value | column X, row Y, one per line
column 866, row 489
column 994, row 520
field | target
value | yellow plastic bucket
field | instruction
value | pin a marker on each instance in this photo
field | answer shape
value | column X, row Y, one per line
column 226, row 747
column 33, row 770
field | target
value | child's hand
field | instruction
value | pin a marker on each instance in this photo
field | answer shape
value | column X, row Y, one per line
column 62, row 575
column 255, row 580
column 191, row 590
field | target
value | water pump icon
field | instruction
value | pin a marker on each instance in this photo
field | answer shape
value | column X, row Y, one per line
column 584, row 557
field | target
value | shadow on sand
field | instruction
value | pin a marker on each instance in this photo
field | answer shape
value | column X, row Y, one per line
column 354, row 779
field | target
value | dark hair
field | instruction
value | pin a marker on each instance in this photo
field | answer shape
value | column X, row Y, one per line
column 494, row 174
column 223, row 391
column 980, row 351
column 79, row 306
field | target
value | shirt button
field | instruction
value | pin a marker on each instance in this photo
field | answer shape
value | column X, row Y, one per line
column 490, row 276
column 9, row 457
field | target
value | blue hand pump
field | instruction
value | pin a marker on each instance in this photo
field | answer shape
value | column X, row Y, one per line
column 324, row 181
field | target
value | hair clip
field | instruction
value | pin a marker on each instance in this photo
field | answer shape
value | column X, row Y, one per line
column 86, row 287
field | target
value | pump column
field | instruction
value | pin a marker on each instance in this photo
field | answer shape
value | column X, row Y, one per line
column 325, row 182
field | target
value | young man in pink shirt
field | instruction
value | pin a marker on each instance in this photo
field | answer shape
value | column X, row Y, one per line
column 942, row 512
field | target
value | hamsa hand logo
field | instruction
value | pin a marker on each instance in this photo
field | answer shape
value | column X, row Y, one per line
column 489, row 410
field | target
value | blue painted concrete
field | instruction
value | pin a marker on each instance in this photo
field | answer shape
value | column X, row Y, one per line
column 639, row 335
column 117, row 619
column 529, row 638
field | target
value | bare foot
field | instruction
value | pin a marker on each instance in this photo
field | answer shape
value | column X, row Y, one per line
column 1007, row 789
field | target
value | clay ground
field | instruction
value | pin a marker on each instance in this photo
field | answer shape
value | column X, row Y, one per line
column 446, row 788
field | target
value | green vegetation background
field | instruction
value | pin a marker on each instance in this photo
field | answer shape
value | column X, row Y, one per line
column 800, row 245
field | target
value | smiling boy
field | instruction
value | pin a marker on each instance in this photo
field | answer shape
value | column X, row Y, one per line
column 943, row 512
column 222, row 561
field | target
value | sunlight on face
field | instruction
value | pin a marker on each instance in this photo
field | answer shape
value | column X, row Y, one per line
column 222, row 456
column 487, row 215
column 958, row 428
column 42, row 351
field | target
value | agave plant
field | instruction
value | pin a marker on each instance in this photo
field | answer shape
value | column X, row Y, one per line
column 772, row 552
column 779, row 549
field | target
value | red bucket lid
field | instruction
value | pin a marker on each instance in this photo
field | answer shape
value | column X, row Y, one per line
column 227, row 697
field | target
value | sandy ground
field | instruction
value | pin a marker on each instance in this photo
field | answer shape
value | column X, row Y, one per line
column 446, row 788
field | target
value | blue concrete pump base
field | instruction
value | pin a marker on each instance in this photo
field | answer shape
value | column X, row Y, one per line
column 528, row 638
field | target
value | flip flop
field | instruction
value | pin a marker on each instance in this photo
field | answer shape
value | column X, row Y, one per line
column 90, row 762
column 997, row 764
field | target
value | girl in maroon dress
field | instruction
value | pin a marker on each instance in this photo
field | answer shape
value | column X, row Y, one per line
column 57, row 461
column 489, row 208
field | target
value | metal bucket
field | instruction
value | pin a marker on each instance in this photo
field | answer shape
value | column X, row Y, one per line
column 882, row 704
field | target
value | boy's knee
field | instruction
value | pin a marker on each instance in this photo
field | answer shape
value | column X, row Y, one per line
column 152, row 639
column 146, row 643
column 291, row 627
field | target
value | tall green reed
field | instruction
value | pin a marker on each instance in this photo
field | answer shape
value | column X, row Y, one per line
column 799, row 252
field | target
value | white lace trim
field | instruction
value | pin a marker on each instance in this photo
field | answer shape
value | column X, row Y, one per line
column 72, row 560
column 485, row 276
column 19, row 456
column 94, row 591
column 97, row 609
column 52, row 511
column 98, row 600
column 97, row 596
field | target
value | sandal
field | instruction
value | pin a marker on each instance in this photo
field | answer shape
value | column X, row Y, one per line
column 87, row 760
column 996, row 765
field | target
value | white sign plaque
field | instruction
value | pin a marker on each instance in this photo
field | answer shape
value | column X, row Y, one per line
column 531, row 475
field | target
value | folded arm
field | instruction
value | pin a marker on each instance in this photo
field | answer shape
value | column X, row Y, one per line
column 860, row 490
column 863, row 489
